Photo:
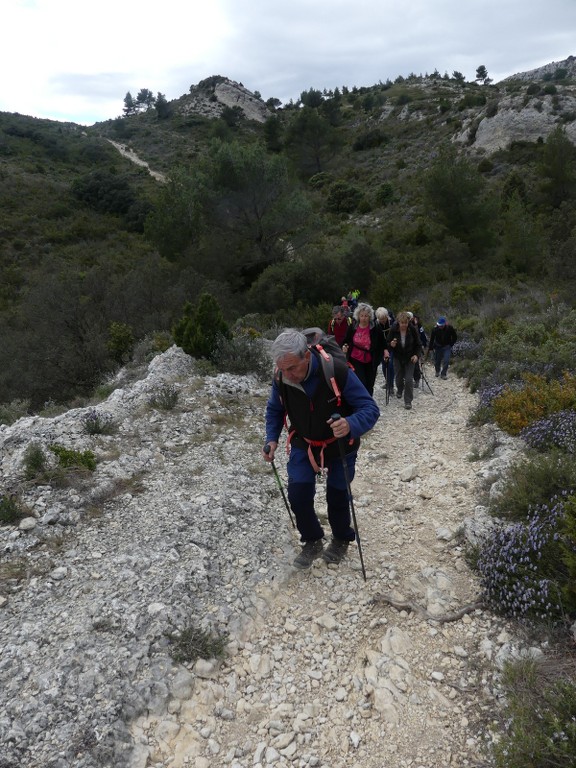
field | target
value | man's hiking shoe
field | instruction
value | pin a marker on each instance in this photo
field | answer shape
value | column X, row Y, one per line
column 443, row 376
column 335, row 551
column 408, row 406
column 399, row 395
column 310, row 551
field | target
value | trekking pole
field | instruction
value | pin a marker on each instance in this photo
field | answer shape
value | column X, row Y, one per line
column 386, row 377
column 424, row 379
column 336, row 417
column 277, row 476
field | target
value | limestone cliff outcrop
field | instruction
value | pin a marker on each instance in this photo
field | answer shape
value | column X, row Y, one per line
column 211, row 96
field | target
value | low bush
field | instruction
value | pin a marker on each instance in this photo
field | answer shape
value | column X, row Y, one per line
column 515, row 408
column 96, row 422
column 532, row 481
column 193, row 643
column 165, row 398
column 243, row 354
column 11, row 510
column 35, row 462
column 343, row 197
column 71, row 459
column 539, row 715
column 14, row 410
column 526, row 568
column 555, row 431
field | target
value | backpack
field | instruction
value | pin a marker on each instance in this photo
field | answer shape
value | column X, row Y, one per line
column 327, row 350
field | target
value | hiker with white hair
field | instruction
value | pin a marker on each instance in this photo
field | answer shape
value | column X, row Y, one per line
column 303, row 401
column 364, row 345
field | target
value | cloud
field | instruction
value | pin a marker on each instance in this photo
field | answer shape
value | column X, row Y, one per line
column 65, row 60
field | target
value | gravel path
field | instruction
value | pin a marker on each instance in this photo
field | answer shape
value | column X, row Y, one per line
column 182, row 524
column 329, row 674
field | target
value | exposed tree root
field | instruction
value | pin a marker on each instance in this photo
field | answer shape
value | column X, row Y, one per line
column 407, row 605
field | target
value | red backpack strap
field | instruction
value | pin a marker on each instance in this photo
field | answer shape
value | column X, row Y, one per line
column 327, row 364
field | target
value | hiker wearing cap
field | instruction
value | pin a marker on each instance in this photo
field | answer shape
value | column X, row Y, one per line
column 442, row 340
column 302, row 399
column 405, row 341
column 364, row 345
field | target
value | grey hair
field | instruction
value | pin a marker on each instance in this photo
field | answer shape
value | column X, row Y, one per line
column 381, row 312
column 289, row 342
column 362, row 307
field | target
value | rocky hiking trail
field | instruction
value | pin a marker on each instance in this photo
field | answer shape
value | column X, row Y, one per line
column 182, row 526
column 328, row 673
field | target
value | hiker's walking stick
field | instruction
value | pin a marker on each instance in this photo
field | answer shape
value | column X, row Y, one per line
column 424, row 379
column 277, row 476
column 336, row 417
column 386, row 380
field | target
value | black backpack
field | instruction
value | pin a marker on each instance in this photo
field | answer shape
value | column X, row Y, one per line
column 327, row 350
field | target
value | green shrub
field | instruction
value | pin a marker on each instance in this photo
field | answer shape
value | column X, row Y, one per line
column 120, row 342
column 198, row 331
column 384, row 194
column 14, row 410
column 539, row 715
column 71, row 459
column 11, row 510
column 243, row 354
column 192, row 643
column 320, row 180
column 534, row 481
column 35, row 462
column 343, row 197
column 370, row 140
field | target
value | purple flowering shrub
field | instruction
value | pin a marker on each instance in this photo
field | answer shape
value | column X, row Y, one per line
column 555, row 431
column 467, row 348
column 96, row 422
column 526, row 568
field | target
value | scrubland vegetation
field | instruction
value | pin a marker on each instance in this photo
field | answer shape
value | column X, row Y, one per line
column 265, row 225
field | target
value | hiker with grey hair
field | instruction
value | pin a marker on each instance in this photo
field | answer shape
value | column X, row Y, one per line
column 364, row 345
column 302, row 399
column 384, row 323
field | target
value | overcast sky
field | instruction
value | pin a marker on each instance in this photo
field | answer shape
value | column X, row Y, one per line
column 75, row 61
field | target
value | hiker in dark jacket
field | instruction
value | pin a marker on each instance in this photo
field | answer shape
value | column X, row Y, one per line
column 301, row 393
column 384, row 323
column 364, row 345
column 442, row 339
column 417, row 323
column 404, row 339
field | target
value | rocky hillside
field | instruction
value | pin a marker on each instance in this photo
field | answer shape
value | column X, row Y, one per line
column 211, row 96
column 181, row 526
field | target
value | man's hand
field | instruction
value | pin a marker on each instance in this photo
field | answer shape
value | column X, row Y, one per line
column 340, row 427
column 269, row 450
column 414, row 359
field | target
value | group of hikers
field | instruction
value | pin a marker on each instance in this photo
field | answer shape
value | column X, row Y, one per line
column 326, row 414
column 375, row 338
